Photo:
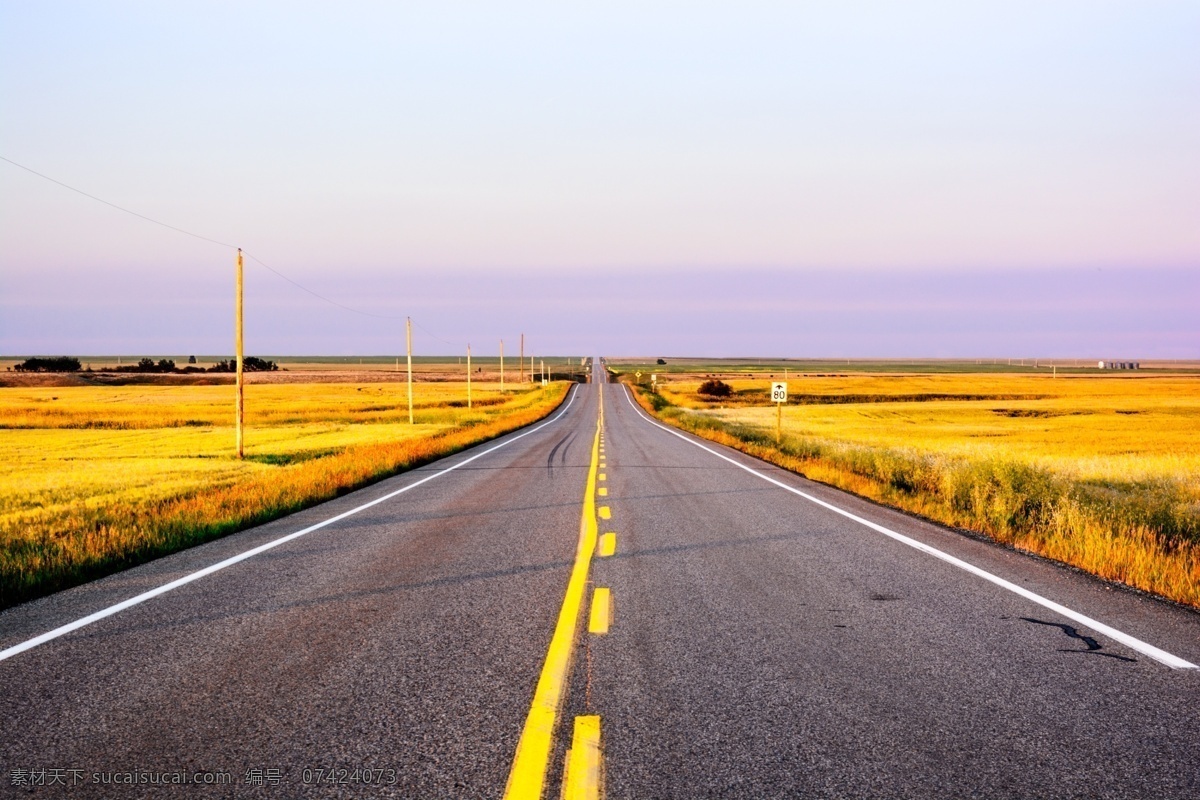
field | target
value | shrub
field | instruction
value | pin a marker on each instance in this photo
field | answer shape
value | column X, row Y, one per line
column 657, row 401
column 249, row 364
column 148, row 365
column 51, row 364
column 715, row 388
column 255, row 364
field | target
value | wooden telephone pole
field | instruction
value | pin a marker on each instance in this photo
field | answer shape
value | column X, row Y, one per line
column 237, row 338
column 521, row 377
column 502, row 365
column 408, row 340
column 468, row 374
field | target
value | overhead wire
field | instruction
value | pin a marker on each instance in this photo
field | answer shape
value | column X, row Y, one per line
column 301, row 286
column 246, row 253
column 117, row 207
column 435, row 336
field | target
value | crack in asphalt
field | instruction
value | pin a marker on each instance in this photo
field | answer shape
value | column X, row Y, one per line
column 1092, row 645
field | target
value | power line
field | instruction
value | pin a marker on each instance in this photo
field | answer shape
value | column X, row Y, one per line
column 114, row 205
column 259, row 261
column 248, row 254
column 196, row 236
column 435, row 336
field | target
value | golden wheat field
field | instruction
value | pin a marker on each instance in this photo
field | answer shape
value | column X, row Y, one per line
column 96, row 477
column 1101, row 472
column 1093, row 428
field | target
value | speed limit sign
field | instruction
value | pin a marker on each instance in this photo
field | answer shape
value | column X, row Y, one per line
column 778, row 392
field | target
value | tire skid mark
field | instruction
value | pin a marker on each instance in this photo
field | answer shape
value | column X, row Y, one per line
column 550, row 458
column 562, row 458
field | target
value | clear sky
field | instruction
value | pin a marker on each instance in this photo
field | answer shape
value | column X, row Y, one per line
column 785, row 179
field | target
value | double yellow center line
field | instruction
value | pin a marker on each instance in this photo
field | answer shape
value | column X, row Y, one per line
column 527, row 778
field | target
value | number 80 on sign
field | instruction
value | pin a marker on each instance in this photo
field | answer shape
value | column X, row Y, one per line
column 778, row 392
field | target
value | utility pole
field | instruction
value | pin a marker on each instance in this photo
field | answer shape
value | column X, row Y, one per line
column 408, row 339
column 522, row 362
column 543, row 371
column 468, row 374
column 237, row 339
column 501, row 365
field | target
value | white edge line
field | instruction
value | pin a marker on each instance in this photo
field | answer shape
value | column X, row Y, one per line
column 220, row 565
column 1149, row 650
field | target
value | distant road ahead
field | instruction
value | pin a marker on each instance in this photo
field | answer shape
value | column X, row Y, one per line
column 761, row 645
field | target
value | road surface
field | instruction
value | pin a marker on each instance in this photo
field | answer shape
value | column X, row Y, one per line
column 766, row 637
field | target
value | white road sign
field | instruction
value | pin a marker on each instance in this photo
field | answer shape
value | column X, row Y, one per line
column 778, row 392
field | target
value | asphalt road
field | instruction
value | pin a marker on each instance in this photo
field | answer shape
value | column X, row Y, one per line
column 761, row 645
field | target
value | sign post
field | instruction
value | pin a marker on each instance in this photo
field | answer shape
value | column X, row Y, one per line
column 779, row 396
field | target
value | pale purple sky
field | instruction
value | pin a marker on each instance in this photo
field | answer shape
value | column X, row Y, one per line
column 852, row 179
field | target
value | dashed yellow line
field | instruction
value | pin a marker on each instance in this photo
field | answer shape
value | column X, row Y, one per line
column 608, row 544
column 602, row 609
column 602, row 491
column 605, row 513
column 527, row 777
column 602, row 477
column 583, row 778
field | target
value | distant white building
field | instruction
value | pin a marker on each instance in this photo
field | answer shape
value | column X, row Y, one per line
column 1119, row 365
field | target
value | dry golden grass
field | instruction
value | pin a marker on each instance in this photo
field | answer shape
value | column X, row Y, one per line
column 96, row 478
column 1099, row 472
column 1102, row 428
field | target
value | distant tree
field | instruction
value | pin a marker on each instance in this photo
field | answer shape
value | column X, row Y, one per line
column 191, row 359
column 49, row 364
column 249, row 364
column 166, row 365
column 255, row 364
column 661, row 361
column 715, row 388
